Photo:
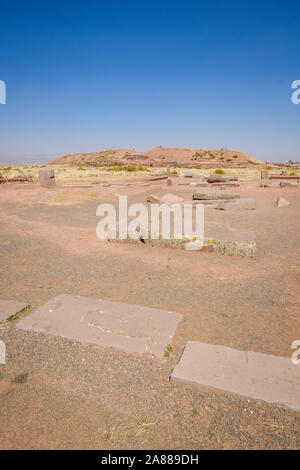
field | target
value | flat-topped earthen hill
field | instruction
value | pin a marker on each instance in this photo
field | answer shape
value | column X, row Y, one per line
column 161, row 157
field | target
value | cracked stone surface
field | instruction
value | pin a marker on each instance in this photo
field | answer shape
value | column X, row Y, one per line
column 269, row 378
column 9, row 308
column 129, row 327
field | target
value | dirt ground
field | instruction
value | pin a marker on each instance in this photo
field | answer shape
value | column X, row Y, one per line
column 83, row 396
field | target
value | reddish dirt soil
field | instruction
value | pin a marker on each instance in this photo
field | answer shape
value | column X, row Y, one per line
column 84, row 396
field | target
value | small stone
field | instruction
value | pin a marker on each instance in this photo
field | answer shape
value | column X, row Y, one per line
column 281, row 202
column 211, row 195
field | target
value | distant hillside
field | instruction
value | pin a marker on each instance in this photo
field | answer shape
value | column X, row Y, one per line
column 161, row 157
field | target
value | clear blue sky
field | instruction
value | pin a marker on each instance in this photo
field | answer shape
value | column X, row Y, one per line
column 88, row 75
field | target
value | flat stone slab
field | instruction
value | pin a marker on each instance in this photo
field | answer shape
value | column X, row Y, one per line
column 272, row 379
column 166, row 199
column 212, row 195
column 226, row 184
column 246, row 203
column 10, row 307
column 112, row 324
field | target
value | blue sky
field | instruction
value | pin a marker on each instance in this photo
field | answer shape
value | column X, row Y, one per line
column 93, row 75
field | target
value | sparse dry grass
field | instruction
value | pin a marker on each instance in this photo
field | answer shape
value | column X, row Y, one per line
column 69, row 199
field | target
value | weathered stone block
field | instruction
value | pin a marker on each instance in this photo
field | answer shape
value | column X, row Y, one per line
column 47, row 178
column 10, row 307
column 213, row 195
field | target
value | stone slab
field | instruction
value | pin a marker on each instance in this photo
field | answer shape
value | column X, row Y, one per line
column 216, row 179
column 112, row 324
column 226, row 184
column 284, row 184
column 246, row 203
column 9, row 308
column 196, row 245
column 272, row 379
column 168, row 198
column 212, row 195
column 153, row 199
column 200, row 184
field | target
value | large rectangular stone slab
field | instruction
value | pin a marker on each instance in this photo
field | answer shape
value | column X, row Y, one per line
column 213, row 195
column 245, row 203
column 113, row 324
column 9, row 308
column 272, row 379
